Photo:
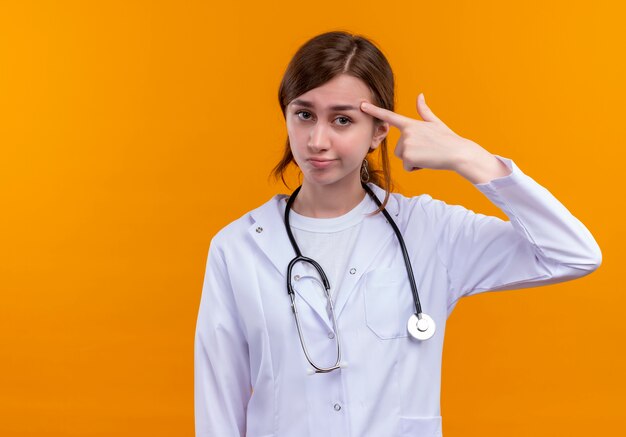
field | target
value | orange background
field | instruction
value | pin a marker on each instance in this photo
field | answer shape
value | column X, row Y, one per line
column 130, row 132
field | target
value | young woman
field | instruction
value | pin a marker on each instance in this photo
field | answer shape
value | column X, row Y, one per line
column 323, row 313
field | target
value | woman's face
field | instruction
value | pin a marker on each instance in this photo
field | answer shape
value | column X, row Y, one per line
column 329, row 134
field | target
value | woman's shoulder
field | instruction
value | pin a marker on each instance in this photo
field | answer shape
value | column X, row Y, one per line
column 419, row 206
column 240, row 228
column 399, row 202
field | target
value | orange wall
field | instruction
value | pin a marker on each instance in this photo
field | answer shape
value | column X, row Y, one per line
column 131, row 131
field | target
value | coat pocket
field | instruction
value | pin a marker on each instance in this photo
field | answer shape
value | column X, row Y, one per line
column 420, row 426
column 388, row 302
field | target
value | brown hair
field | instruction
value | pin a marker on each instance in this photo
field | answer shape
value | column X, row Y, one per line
column 321, row 59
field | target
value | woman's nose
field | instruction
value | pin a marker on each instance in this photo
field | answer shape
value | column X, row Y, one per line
column 319, row 138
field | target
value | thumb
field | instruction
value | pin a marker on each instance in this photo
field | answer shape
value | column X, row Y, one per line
column 424, row 111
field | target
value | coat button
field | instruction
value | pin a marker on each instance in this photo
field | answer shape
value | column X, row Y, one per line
column 337, row 407
column 296, row 278
column 331, row 335
column 352, row 271
column 259, row 230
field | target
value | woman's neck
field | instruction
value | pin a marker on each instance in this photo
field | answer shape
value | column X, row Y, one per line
column 328, row 201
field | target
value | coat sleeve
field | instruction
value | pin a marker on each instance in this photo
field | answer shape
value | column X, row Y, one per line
column 542, row 243
column 221, row 365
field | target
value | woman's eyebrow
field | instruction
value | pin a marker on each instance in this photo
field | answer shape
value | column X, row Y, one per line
column 307, row 104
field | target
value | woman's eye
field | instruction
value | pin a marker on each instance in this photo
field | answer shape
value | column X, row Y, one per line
column 298, row 113
column 306, row 115
column 346, row 121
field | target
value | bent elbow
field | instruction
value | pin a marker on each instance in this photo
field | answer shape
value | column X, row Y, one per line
column 586, row 254
column 595, row 258
column 581, row 263
column 590, row 260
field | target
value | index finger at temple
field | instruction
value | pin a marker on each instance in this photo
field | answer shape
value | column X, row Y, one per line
column 383, row 114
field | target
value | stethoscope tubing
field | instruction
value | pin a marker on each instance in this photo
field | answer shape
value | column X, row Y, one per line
column 420, row 326
column 405, row 253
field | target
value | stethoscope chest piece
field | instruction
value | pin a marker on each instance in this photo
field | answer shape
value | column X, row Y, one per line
column 421, row 328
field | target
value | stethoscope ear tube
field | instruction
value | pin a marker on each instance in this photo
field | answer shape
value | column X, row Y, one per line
column 294, row 308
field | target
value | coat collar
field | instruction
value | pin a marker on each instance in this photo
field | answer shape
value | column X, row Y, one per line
column 268, row 232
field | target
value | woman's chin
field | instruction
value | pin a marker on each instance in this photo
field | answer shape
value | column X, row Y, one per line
column 327, row 181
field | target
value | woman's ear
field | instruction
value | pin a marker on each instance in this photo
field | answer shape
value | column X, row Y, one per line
column 381, row 129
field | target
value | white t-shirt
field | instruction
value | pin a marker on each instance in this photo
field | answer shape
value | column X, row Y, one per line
column 330, row 241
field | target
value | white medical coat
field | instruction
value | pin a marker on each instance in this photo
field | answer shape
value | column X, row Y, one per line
column 246, row 336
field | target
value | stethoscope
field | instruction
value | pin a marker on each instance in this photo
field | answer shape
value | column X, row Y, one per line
column 420, row 325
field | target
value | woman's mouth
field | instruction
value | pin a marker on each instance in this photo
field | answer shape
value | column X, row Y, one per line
column 320, row 163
